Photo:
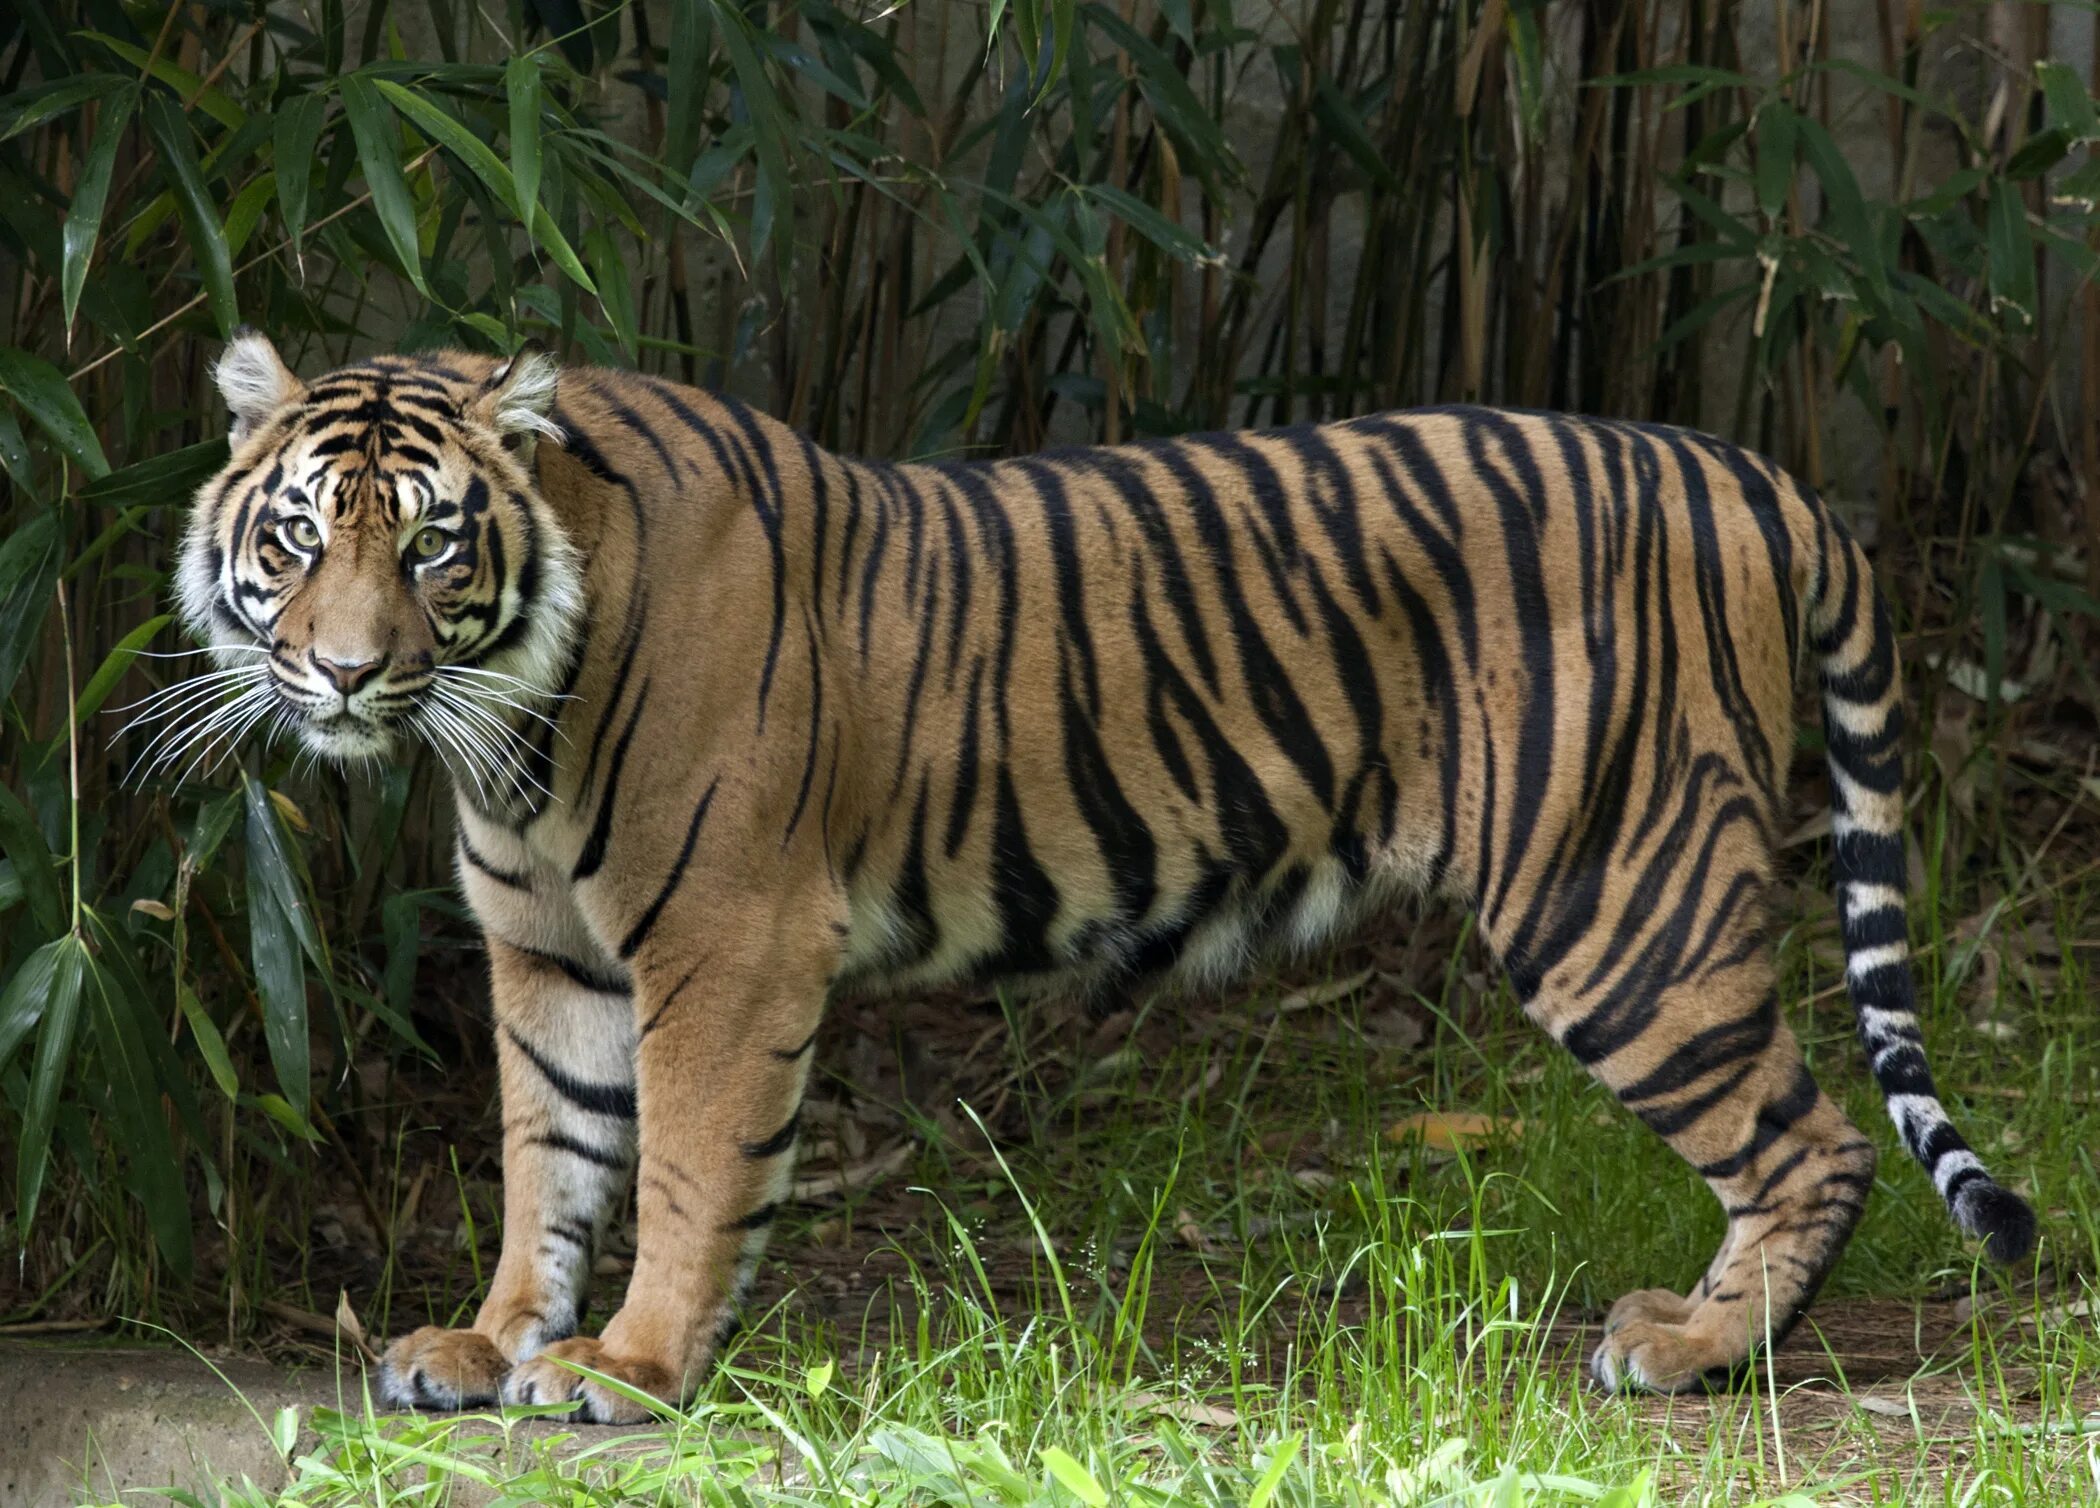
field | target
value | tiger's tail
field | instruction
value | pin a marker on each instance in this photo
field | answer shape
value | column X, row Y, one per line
column 1854, row 646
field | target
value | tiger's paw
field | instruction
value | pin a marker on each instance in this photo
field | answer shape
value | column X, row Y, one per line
column 1643, row 1355
column 436, row 1368
column 1648, row 1306
column 544, row 1380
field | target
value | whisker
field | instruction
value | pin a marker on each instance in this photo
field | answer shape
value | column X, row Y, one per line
column 209, row 649
column 212, row 751
column 481, row 720
column 470, row 740
column 502, row 763
column 436, row 726
column 490, row 698
column 192, row 683
column 508, row 679
column 472, row 707
column 168, row 743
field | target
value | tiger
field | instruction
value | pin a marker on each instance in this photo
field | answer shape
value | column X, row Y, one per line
column 736, row 727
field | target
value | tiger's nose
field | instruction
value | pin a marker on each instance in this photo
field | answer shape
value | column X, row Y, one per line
column 347, row 675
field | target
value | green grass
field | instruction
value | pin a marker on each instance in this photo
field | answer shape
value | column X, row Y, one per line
column 1204, row 1275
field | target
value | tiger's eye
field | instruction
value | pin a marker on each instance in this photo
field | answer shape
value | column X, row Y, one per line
column 429, row 543
column 304, row 533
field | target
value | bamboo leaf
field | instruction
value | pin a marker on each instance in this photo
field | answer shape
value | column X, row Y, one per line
column 298, row 132
column 44, row 395
column 35, row 871
column 14, row 460
column 2039, row 153
column 54, row 1054
column 180, row 81
column 2011, row 253
column 28, row 571
column 84, row 219
column 28, row 994
column 200, row 217
column 211, row 1044
column 1346, row 125
column 482, row 160
column 124, row 1038
column 1776, row 133
column 692, row 27
column 772, row 209
column 157, row 479
column 1173, row 239
column 609, row 271
column 521, row 82
column 1848, row 207
column 2070, row 106
column 378, row 138
column 247, row 210
column 26, row 109
column 274, row 947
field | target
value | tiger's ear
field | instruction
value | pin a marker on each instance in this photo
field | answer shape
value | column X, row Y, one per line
column 519, row 394
column 254, row 381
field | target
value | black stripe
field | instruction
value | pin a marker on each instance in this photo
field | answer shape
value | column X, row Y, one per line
column 578, row 973
column 592, row 858
column 599, row 1099
column 964, row 800
column 676, row 990
column 641, row 929
column 1023, row 891
column 788, row 1055
column 816, row 727
column 575, row 1232
column 508, row 877
column 561, row 1141
column 779, row 1141
column 758, row 1219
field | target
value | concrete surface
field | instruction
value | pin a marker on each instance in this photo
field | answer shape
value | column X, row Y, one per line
column 82, row 1422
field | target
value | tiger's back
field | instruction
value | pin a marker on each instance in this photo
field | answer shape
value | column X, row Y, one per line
column 822, row 726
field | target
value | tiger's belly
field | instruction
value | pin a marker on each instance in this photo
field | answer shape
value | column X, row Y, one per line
column 1208, row 925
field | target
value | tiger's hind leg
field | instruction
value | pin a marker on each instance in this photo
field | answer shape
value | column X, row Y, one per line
column 1706, row 1062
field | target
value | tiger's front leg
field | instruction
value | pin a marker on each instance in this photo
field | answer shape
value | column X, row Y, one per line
column 565, row 1047
column 726, row 1029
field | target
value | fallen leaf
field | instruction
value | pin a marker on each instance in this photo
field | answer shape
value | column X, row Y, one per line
column 1187, row 1410
column 1213, row 1076
column 1192, row 1235
column 2058, row 1315
column 859, row 1176
column 1448, row 1131
column 1893, row 1408
column 1323, row 994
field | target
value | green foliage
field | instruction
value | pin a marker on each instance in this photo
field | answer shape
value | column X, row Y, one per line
column 1099, row 220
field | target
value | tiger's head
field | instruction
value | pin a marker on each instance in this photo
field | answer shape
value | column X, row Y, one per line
column 375, row 557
